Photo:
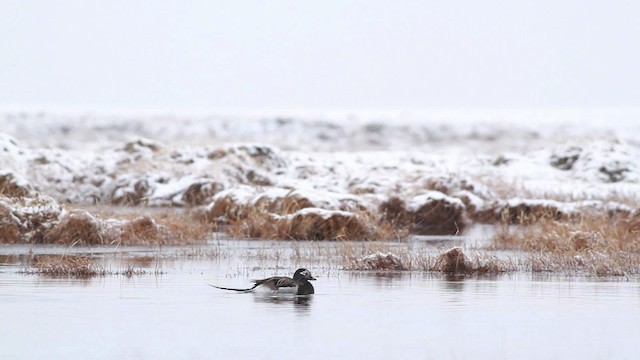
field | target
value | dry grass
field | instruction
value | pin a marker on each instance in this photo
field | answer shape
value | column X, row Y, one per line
column 283, row 217
column 380, row 257
column 10, row 186
column 314, row 225
column 284, row 205
column 77, row 227
column 589, row 233
column 380, row 261
column 455, row 262
column 83, row 228
column 451, row 262
column 79, row 267
column 592, row 245
column 169, row 228
column 228, row 209
column 436, row 217
column 10, row 230
column 403, row 256
column 69, row 266
column 527, row 213
column 583, row 264
column 41, row 220
column 127, row 195
column 201, row 193
column 27, row 219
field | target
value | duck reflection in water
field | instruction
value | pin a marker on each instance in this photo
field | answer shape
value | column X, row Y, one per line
column 301, row 300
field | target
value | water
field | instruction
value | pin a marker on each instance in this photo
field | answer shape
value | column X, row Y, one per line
column 352, row 315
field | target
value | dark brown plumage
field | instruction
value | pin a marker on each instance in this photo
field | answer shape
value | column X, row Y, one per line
column 300, row 282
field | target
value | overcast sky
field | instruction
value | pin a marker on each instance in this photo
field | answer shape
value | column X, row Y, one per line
column 320, row 54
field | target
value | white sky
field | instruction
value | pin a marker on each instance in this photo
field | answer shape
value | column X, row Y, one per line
column 319, row 54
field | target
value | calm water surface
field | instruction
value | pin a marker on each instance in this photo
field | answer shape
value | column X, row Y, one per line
column 352, row 315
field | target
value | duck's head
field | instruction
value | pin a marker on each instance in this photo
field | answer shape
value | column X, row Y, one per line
column 302, row 275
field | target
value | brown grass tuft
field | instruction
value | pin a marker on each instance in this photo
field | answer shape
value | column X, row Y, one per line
column 10, row 230
column 597, row 233
column 166, row 228
column 227, row 208
column 10, row 186
column 142, row 229
column 27, row 219
column 288, row 204
column 314, row 224
column 378, row 256
column 433, row 217
column 453, row 261
column 334, row 225
column 310, row 224
column 68, row 266
column 77, row 227
column 394, row 211
column 589, row 263
column 380, row 261
column 41, row 220
column 75, row 266
column 200, row 193
column 183, row 228
column 527, row 213
column 594, row 245
column 127, row 195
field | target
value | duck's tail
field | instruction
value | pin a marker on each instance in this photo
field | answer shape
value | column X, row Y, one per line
column 240, row 290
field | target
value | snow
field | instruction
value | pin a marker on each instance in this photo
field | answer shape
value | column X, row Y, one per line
column 473, row 199
column 336, row 161
column 174, row 189
column 271, row 194
column 241, row 195
column 324, row 213
column 415, row 203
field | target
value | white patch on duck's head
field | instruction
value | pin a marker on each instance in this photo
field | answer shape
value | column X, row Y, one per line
column 303, row 274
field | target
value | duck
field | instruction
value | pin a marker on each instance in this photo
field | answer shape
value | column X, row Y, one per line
column 299, row 283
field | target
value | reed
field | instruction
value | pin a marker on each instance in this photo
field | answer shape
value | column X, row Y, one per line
column 588, row 233
column 78, row 267
column 69, row 266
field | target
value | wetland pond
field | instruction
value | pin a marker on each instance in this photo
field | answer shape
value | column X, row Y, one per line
column 171, row 313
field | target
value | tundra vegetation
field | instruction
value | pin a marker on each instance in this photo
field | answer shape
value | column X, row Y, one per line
column 145, row 193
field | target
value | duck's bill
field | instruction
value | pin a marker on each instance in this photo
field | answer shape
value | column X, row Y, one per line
column 312, row 278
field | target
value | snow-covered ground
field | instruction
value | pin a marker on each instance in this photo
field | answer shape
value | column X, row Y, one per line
column 336, row 161
column 458, row 131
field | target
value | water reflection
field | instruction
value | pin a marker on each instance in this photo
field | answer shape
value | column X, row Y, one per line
column 16, row 259
column 301, row 303
column 453, row 290
column 382, row 279
column 454, row 278
column 416, row 306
